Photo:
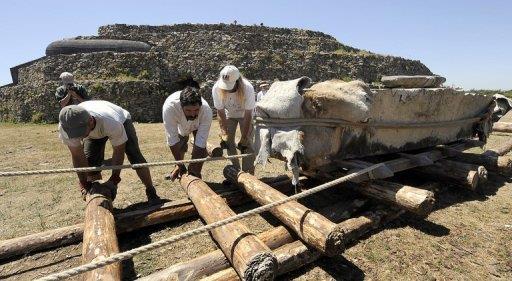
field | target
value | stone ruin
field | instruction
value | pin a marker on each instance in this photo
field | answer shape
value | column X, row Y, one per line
column 137, row 67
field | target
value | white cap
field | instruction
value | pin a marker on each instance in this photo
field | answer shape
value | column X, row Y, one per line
column 228, row 76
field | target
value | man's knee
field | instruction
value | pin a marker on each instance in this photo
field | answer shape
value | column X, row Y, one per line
column 134, row 154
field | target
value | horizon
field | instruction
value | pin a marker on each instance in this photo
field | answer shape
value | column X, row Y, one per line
column 464, row 41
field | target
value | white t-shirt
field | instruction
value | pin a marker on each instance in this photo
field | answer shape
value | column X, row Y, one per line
column 260, row 95
column 176, row 123
column 234, row 108
column 109, row 123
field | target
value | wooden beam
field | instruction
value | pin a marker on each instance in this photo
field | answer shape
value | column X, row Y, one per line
column 499, row 164
column 100, row 239
column 409, row 198
column 502, row 127
column 295, row 255
column 500, row 150
column 403, row 163
column 465, row 174
column 468, row 175
column 125, row 222
column 310, row 226
column 251, row 258
column 416, row 200
column 215, row 261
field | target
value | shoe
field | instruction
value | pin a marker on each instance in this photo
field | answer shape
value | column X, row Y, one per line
column 151, row 195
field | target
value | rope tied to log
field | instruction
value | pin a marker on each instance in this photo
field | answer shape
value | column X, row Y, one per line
column 119, row 167
column 164, row 242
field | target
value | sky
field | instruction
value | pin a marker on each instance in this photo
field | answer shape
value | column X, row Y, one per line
column 468, row 42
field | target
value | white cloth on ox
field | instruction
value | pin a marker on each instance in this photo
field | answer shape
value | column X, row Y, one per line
column 286, row 142
column 282, row 101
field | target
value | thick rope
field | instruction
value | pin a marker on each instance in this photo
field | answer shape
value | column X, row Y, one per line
column 119, row 167
column 162, row 243
column 330, row 122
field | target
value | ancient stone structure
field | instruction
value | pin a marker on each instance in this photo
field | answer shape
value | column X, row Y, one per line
column 140, row 81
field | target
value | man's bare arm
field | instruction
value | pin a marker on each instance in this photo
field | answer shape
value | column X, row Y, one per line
column 117, row 159
column 222, row 121
column 79, row 160
column 246, row 124
column 65, row 101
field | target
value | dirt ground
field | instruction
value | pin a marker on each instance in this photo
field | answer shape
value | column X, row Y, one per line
column 467, row 237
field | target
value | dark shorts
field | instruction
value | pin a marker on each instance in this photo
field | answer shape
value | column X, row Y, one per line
column 94, row 149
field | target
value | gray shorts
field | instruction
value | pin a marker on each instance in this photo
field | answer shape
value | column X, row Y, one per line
column 94, row 149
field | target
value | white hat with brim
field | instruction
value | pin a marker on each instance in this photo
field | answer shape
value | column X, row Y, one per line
column 228, row 76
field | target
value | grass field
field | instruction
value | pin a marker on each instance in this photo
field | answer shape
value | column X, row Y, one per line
column 467, row 237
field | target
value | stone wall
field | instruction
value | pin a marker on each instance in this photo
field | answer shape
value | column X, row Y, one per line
column 140, row 81
column 25, row 103
column 228, row 35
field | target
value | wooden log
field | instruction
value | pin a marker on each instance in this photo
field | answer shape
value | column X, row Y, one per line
column 251, row 258
column 125, row 222
column 310, row 226
column 100, row 239
column 416, row 200
column 468, row 175
column 502, row 127
column 499, row 164
column 402, row 163
column 215, row 261
column 500, row 150
column 409, row 198
column 295, row 255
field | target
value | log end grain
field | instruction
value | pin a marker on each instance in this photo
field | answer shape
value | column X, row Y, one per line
column 482, row 174
column 261, row 267
column 415, row 200
column 504, row 164
column 473, row 180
